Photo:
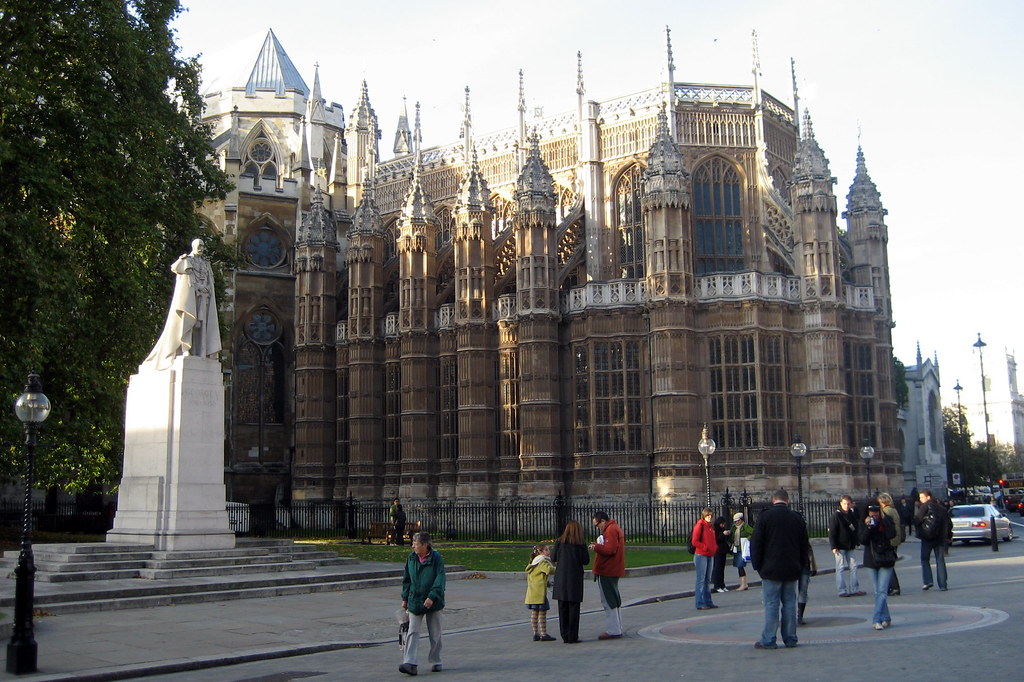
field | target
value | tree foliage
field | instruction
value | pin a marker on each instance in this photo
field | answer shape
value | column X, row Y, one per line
column 103, row 161
column 899, row 382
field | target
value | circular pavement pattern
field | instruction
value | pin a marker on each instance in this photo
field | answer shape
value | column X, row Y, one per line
column 828, row 624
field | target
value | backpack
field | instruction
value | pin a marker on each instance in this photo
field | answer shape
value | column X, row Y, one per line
column 929, row 526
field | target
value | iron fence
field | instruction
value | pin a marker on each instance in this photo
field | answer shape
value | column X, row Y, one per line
column 513, row 519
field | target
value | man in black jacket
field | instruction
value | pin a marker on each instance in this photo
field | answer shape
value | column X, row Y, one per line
column 935, row 529
column 842, row 538
column 778, row 553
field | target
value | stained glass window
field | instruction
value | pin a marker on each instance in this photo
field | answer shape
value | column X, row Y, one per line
column 264, row 249
column 718, row 217
column 630, row 224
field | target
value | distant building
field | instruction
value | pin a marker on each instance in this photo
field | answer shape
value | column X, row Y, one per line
column 924, row 444
column 549, row 309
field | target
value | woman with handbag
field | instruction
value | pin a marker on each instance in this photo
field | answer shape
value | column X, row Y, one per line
column 741, row 534
column 875, row 532
column 890, row 513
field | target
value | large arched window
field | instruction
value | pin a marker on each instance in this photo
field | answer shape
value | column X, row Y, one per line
column 629, row 218
column 260, row 162
column 718, row 217
column 260, row 364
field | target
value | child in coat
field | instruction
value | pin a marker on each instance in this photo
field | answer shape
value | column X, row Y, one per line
column 537, row 573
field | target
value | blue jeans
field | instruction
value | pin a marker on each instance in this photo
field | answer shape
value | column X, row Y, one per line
column 774, row 592
column 881, row 577
column 938, row 548
column 846, row 561
column 702, row 591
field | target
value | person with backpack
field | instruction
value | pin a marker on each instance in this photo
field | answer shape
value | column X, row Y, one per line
column 935, row 530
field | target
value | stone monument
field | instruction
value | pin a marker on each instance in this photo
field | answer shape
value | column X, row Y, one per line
column 172, row 489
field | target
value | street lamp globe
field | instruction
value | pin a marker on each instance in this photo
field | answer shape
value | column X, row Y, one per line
column 706, row 448
column 32, row 406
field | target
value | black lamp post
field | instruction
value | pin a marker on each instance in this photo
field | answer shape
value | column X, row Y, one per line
column 960, row 432
column 867, row 453
column 980, row 345
column 32, row 408
column 706, row 447
column 798, row 449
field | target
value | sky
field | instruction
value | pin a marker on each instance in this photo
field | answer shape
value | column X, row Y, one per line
column 908, row 81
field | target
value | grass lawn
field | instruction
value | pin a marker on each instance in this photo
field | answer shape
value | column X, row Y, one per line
column 488, row 557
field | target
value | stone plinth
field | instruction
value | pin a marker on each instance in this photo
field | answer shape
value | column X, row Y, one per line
column 172, row 493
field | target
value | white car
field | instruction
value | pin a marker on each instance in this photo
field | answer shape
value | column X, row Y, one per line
column 973, row 522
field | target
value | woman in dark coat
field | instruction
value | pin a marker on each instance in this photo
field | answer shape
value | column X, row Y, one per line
column 722, row 537
column 569, row 555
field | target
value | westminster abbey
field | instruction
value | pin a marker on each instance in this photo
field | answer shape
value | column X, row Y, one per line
column 554, row 308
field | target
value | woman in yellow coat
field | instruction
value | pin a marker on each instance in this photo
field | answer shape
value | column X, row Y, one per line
column 537, row 573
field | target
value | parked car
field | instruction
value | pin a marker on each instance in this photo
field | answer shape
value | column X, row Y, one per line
column 972, row 522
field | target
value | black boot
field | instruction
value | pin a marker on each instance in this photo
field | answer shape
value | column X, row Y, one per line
column 800, row 614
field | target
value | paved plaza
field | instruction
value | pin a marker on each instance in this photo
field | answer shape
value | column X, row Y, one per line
column 974, row 628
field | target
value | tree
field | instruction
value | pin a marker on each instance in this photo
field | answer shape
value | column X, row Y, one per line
column 899, row 382
column 962, row 454
column 103, row 162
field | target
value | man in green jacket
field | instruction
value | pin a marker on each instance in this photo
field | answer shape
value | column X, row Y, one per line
column 423, row 597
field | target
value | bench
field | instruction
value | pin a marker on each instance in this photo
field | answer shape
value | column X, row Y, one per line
column 385, row 531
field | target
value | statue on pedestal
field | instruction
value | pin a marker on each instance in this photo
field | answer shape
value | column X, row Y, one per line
column 191, row 327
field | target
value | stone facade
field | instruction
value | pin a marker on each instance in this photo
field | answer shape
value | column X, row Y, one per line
column 559, row 309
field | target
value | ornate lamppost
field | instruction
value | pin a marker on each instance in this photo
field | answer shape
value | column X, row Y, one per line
column 32, row 408
column 798, row 449
column 867, row 453
column 706, row 448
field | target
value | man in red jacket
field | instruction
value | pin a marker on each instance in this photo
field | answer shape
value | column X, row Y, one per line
column 609, row 566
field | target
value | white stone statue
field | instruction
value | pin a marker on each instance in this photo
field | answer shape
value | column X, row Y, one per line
column 191, row 327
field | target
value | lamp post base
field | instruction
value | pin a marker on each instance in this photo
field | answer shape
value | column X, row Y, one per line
column 22, row 657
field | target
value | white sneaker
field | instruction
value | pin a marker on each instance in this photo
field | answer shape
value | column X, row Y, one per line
column 879, row 626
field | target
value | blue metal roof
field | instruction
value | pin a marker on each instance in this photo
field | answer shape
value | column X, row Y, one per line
column 274, row 70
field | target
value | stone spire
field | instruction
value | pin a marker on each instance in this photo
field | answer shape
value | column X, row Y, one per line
column 403, row 136
column 665, row 178
column 863, row 196
column 796, row 96
column 316, row 100
column 305, row 162
column 580, row 90
column 364, row 114
column 317, row 225
column 467, row 131
column 367, row 218
column 521, row 141
column 535, row 188
column 811, row 163
column 417, row 207
column 473, row 195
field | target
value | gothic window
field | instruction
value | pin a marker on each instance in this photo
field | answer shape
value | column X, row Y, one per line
column 566, row 201
column 772, row 365
column 780, row 182
column 390, row 240
column 608, row 406
column 508, row 382
column 504, row 211
column 263, row 248
column 445, row 227
column 260, row 371
column 449, row 407
column 505, row 258
column 859, row 374
column 260, row 163
column 735, row 415
column 718, row 217
column 393, row 412
column 629, row 219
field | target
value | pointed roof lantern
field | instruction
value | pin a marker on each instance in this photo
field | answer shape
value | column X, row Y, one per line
column 864, row 195
column 534, row 189
column 367, row 218
column 811, row 163
column 665, row 178
column 403, row 136
column 417, row 208
column 274, row 70
column 318, row 224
